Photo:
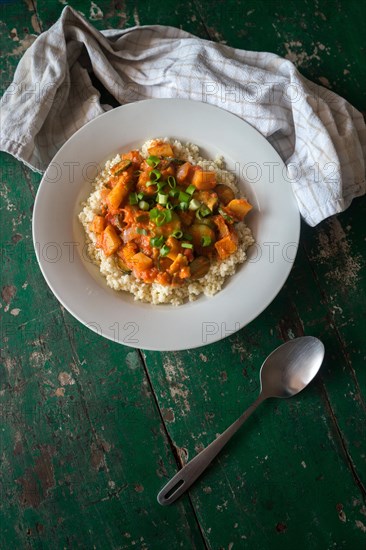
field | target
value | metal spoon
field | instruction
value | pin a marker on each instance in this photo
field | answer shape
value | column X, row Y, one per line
column 285, row 372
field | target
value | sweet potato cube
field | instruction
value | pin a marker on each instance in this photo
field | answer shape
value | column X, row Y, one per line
column 175, row 247
column 119, row 192
column 110, row 240
column 161, row 149
column 204, row 180
column 184, row 173
column 239, row 208
column 179, row 263
column 128, row 251
column 141, row 262
column 97, row 225
column 227, row 246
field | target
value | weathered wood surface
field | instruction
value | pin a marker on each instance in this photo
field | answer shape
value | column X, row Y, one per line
column 91, row 430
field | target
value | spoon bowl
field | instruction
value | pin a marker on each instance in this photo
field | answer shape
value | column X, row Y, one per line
column 285, row 372
column 291, row 367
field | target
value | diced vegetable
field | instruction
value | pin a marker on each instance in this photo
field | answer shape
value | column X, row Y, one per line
column 161, row 149
column 174, row 247
column 184, row 173
column 221, row 226
column 209, row 198
column 123, row 267
column 203, row 180
column 117, row 169
column 119, row 192
column 141, row 262
column 224, row 193
column 227, row 246
column 179, row 262
column 97, row 225
column 199, row 231
column 239, row 208
column 199, row 267
column 110, row 240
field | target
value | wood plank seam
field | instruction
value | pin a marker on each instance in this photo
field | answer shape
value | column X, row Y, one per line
column 348, row 457
column 176, row 456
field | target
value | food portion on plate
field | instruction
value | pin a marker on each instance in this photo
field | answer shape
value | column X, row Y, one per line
column 165, row 224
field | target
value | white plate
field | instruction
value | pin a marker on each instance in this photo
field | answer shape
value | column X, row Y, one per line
column 60, row 242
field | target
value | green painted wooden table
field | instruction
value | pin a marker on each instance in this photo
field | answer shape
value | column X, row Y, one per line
column 91, row 430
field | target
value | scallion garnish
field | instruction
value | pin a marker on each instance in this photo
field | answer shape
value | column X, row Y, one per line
column 140, row 196
column 161, row 184
column 169, row 206
column 178, row 234
column 132, row 199
column 150, row 183
column 155, row 175
column 184, row 197
column 187, row 237
column 206, row 240
column 141, row 231
column 153, row 161
column 162, row 199
column 203, row 212
column 187, row 245
column 157, row 241
column 194, row 204
column 183, row 206
column 174, row 192
column 172, row 182
column 144, row 205
column 190, row 189
column 164, row 250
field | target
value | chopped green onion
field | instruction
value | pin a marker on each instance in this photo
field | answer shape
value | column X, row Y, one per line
column 132, row 199
column 153, row 161
column 174, row 192
column 178, row 234
column 161, row 184
column 144, row 205
column 154, row 213
column 168, row 215
column 183, row 206
column 137, row 172
column 164, row 250
column 155, row 175
column 141, row 231
column 184, row 197
column 172, row 182
column 187, row 245
column 203, row 212
column 140, row 196
column 206, row 240
column 162, row 199
column 194, row 204
column 150, row 183
column 157, row 241
column 187, row 236
column 169, row 206
column 190, row 189
column 160, row 219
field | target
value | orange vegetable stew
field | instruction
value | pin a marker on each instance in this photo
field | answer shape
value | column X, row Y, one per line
column 165, row 219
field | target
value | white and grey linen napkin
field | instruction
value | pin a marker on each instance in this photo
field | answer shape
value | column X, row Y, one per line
column 57, row 89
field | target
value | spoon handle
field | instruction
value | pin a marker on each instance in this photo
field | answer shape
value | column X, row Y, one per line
column 191, row 471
